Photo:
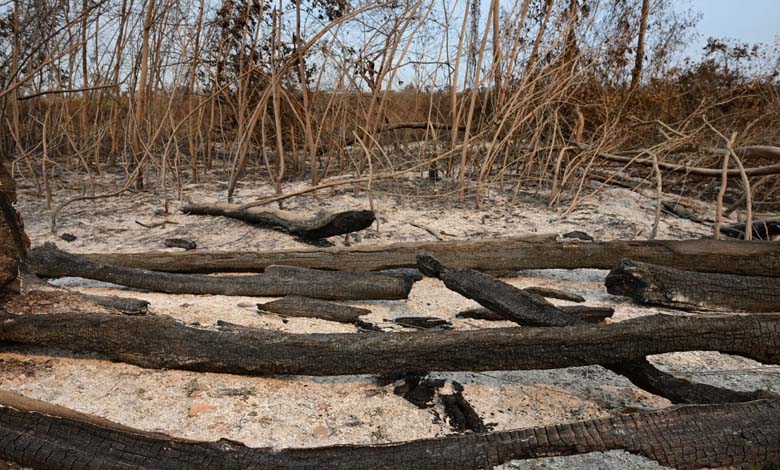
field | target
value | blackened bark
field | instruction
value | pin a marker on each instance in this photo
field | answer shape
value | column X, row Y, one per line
column 295, row 306
column 762, row 229
column 276, row 281
column 322, row 225
column 516, row 304
column 40, row 435
column 504, row 299
column 588, row 314
column 160, row 342
column 650, row 284
column 493, row 256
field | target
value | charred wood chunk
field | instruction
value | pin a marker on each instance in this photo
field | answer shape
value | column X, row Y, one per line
column 297, row 306
column 762, row 230
column 650, row 284
column 180, row 243
column 321, row 225
column 588, row 314
column 423, row 323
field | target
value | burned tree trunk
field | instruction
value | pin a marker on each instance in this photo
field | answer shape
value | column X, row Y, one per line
column 13, row 241
column 276, row 281
column 38, row 434
column 496, row 256
column 295, row 306
column 160, row 342
column 322, row 225
column 650, row 284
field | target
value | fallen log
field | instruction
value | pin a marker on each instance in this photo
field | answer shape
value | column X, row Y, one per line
column 37, row 434
column 588, row 314
column 649, row 284
column 276, row 281
column 296, row 306
column 766, row 229
column 322, row 225
column 494, row 256
column 512, row 303
column 159, row 342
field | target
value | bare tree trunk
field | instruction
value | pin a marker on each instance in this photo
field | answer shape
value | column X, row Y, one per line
column 636, row 73
column 141, row 99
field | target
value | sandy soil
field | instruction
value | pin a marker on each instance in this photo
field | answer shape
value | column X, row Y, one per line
column 306, row 411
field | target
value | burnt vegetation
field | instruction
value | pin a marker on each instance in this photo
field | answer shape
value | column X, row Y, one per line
column 556, row 97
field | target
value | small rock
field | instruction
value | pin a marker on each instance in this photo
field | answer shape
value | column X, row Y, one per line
column 68, row 237
column 320, row 431
column 201, row 407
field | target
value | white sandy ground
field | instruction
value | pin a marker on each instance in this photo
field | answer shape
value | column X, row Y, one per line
column 307, row 411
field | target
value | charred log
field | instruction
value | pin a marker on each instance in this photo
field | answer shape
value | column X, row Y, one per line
column 650, row 284
column 322, row 225
column 159, row 342
column 504, row 299
column 276, row 281
column 762, row 230
column 40, row 435
column 496, row 256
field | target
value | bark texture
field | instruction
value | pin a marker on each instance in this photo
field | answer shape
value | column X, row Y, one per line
column 496, row 256
column 159, row 342
column 13, row 241
column 322, row 225
column 276, row 281
column 650, row 284
column 37, row 434
column 296, row 306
